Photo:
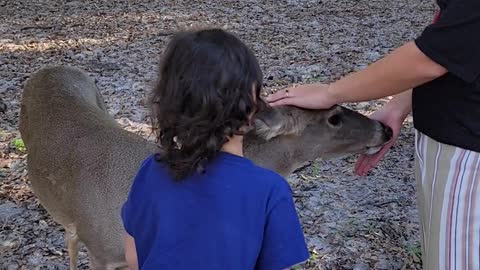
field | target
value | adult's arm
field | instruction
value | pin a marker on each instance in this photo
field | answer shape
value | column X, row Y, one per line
column 404, row 68
column 450, row 44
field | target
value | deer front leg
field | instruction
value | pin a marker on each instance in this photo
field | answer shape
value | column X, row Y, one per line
column 71, row 239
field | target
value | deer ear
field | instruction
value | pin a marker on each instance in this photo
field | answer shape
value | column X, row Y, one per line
column 268, row 123
column 272, row 122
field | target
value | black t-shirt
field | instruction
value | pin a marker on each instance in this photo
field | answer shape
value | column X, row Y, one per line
column 447, row 109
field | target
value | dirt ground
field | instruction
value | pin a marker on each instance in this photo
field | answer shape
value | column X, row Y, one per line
column 350, row 222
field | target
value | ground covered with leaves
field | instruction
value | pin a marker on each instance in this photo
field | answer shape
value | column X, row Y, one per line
column 350, row 222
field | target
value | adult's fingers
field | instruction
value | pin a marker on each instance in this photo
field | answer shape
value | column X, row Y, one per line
column 365, row 165
column 360, row 161
column 367, row 162
column 279, row 95
column 284, row 101
column 362, row 164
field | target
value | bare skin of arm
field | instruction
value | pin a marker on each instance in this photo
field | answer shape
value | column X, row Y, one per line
column 395, row 74
column 403, row 69
column 130, row 252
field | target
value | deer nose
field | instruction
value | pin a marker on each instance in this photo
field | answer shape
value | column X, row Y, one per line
column 387, row 131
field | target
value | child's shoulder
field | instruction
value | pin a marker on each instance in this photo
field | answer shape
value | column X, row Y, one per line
column 267, row 173
column 148, row 169
column 148, row 160
column 271, row 178
column 146, row 163
column 247, row 173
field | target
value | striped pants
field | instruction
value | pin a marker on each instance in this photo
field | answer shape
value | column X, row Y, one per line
column 448, row 181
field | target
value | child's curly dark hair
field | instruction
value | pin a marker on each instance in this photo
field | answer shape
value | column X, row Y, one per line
column 208, row 89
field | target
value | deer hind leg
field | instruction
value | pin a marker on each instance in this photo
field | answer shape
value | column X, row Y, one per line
column 71, row 238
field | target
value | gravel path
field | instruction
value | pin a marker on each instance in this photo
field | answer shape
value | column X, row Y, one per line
column 350, row 222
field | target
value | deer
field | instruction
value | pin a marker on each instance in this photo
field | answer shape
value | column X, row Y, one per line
column 81, row 162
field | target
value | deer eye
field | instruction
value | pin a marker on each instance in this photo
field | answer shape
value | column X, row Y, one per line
column 335, row 120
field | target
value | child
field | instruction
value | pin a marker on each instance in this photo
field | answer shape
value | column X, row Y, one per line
column 200, row 204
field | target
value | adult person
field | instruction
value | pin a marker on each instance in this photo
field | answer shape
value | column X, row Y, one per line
column 436, row 75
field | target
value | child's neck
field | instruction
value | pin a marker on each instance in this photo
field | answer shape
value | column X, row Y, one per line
column 234, row 146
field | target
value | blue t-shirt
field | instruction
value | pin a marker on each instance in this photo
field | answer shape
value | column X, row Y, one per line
column 234, row 216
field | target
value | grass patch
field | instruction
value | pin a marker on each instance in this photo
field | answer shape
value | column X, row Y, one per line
column 416, row 252
column 19, row 145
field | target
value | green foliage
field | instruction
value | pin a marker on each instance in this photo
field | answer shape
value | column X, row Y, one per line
column 19, row 145
column 416, row 252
